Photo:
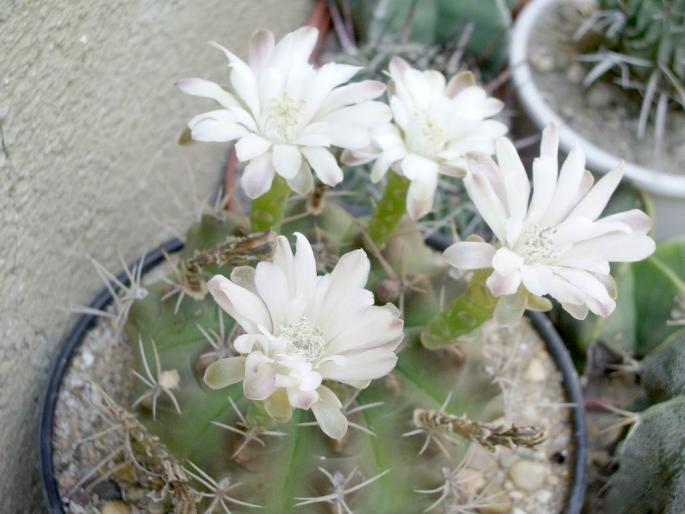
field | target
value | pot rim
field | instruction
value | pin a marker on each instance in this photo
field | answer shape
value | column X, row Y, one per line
column 85, row 322
column 541, row 113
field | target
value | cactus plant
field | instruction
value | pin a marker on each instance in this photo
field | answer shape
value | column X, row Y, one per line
column 397, row 440
column 344, row 403
column 466, row 38
column 651, row 462
column 644, row 40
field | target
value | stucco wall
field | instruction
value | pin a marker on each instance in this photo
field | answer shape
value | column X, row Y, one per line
column 89, row 118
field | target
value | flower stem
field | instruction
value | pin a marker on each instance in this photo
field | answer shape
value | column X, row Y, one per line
column 267, row 210
column 467, row 312
column 390, row 210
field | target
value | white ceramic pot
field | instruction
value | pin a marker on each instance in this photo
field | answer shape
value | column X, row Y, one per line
column 668, row 190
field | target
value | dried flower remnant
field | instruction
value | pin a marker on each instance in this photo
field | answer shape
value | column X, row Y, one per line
column 486, row 434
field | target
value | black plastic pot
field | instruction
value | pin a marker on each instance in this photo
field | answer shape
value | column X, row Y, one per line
column 86, row 322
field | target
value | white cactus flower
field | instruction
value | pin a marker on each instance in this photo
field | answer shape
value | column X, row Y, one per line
column 553, row 241
column 302, row 329
column 285, row 114
column 435, row 123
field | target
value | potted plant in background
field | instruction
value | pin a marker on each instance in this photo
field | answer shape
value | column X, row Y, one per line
column 610, row 75
column 345, row 373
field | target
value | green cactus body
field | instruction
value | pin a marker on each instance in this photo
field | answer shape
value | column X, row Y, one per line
column 390, row 210
column 294, row 467
column 643, row 41
column 653, row 30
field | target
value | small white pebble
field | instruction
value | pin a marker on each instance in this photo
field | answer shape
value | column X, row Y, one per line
column 536, row 372
column 88, row 359
column 528, row 475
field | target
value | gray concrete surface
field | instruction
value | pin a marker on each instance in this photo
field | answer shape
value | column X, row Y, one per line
column 89, row 119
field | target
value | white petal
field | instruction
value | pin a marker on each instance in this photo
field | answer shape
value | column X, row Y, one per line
column 260, row 377
column 637, row 220
column 284, row 259
column 296, row 46
column 245, row 342
column 374, row 327
column 345, row 135
column 368, row 114
column 544, row 184
column 326, row 78
column 470, row 255
column 573, row 230
column 250, row 146
column 536, row 278
column 271, row 85
column 272, row 286
column 505, row 261
column 258, row 176
column 207, row 89
column 243, row 80
column 459, row 82
column 579, row 312
column 349, row 275
column 287, row 160
column 215, row 126
column 420, row 196
column 384, row 161
column 353, row 94
column 225, row 372
column 243, row 306
column 418, row 86
column 486, row 201
column 278, row 407
column 509, row 309
column 502, row 285
column 303, row 182
column 568, row 185
column 417, row 167
column 365, row 365
column 597, row 297
column 597, row 199
column 565, row 292
column 305, row 268
column 615, row 247
column 517, row 186
column 328, row 414
column 399, row 112
column 301, row 399
column 592, row 263
column 324, row 165
column 261, row 48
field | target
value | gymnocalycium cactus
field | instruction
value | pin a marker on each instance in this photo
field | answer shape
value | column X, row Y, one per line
column 287, row 378
column 645, row 41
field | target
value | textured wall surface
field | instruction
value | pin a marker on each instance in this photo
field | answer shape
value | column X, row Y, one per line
column 89, row 164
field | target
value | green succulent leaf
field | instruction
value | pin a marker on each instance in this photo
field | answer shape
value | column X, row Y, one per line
column 651, row 463
column 663, row 370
